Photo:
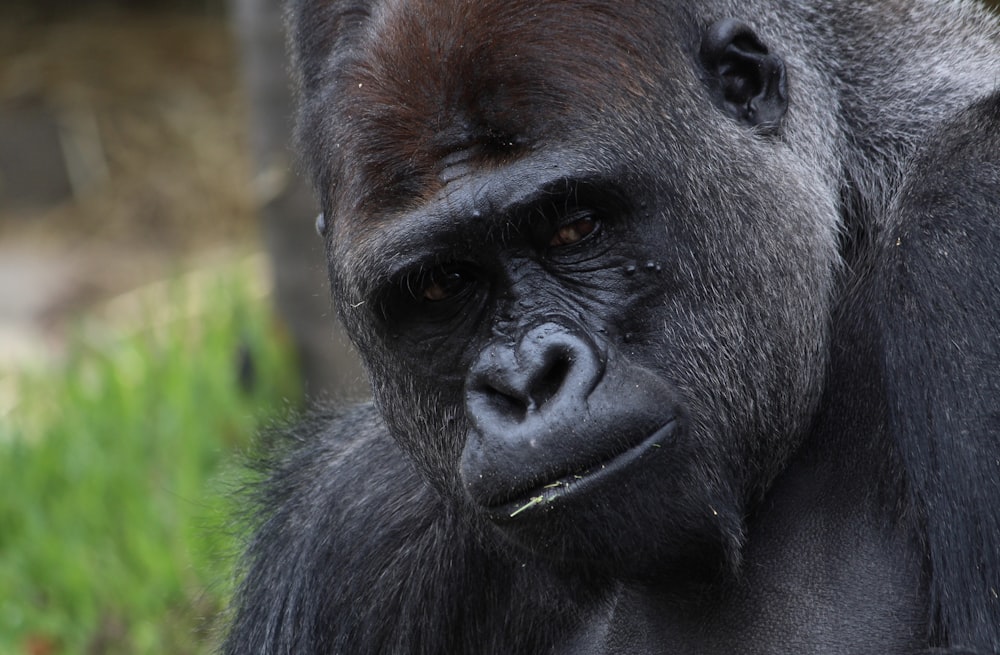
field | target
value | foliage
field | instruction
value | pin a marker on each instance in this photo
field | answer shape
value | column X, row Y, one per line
column 115, row 470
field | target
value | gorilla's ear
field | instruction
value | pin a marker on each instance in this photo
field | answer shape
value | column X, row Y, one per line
column 747, row 80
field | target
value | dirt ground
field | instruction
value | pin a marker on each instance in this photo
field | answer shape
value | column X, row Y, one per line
column 123, row 158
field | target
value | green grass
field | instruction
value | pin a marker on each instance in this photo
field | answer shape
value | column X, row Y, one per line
column 117, row 468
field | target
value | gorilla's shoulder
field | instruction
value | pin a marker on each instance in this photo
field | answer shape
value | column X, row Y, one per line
column 342, row 520
column 938, row 299
column 339, row 461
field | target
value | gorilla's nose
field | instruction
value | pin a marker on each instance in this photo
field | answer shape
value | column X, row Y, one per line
column 528, row 402
column 540, row 381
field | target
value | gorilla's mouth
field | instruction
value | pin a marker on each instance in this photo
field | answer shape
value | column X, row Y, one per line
column 540, row 499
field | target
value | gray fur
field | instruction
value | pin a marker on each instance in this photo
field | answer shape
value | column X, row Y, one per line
column 818, row 300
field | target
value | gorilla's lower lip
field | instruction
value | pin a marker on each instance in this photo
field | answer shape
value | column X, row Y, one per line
column 542, row 496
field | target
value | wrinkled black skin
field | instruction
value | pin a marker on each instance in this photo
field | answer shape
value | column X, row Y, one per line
column 757, row 410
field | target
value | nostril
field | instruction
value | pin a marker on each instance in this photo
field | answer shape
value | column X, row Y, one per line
column 551, row 380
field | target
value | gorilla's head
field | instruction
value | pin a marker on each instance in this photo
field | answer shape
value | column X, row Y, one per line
column 591, row 281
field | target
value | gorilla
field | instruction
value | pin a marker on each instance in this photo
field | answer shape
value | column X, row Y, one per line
column 683, row 326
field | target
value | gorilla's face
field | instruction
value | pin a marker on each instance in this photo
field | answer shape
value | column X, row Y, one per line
column 593, row 304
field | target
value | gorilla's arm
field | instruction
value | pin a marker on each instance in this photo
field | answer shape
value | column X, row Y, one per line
column 940, row 313
column 355, row 553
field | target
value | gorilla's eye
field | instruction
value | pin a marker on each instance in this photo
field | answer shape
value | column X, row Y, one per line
column 573, row 232
column 444, row 282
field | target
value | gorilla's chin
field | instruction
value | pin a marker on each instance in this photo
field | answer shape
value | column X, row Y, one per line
column 638, row 515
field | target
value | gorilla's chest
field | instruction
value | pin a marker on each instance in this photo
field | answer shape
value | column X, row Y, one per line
column 794, row 623
column 822, row 586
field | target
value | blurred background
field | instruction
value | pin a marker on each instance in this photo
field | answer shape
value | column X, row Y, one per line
column 162, row 299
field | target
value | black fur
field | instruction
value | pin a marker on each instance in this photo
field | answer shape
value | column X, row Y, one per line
column 938, row 289
column 683, row 322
